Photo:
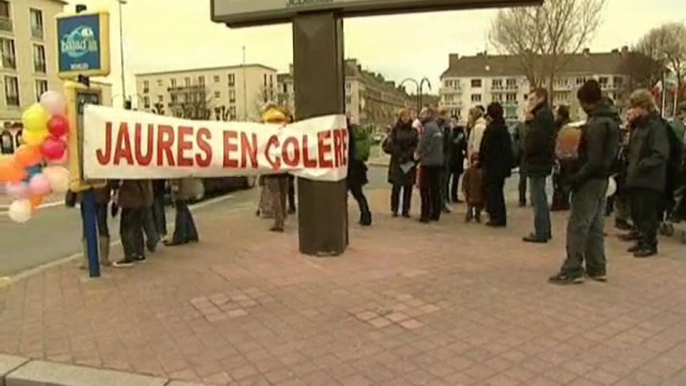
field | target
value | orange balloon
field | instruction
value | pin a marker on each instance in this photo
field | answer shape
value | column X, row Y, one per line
column 36, row 201
column 26, row 156
column 10, row 171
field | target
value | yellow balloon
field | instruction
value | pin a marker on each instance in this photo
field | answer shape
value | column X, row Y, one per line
column 35, row 138
column 35, row 118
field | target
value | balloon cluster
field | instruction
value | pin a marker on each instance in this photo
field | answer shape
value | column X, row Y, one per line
column 36, row 168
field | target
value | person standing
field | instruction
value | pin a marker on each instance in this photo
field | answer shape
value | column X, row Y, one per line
column 357, row 174
column 159, row 216
column 561, row 192
column 134, row 197
column 477, row 125
column 538, row 158
column 597, row 150
column 647, row 171
column 431, row 160
column 472, row 185
column 456, row 164
column 401, row 144
column 102, row 199
column 519, row 137
column 183, row 192
column 496, row 160
column 444, row 124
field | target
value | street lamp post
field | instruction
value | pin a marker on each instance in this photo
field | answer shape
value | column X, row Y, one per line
column 420, row 89
column 121, row 50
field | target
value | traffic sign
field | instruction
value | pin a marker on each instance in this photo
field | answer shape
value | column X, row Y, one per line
column 83, row 46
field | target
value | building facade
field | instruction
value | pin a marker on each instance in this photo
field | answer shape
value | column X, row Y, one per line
column 370, row 99
column 220, row 93
column 28, row 45
column 479, row 80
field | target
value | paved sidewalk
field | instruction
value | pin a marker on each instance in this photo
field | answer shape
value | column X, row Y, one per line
column 439, row 305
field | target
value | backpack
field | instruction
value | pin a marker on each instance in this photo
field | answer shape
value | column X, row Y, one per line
column 567, row 143
column 676, row 158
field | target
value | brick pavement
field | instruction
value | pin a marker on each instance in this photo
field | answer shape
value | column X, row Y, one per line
column 440, row 305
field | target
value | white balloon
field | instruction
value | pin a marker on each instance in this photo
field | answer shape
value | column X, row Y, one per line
column 58, row 177
column 20, row 211
column 611, row 187
column 54, row 103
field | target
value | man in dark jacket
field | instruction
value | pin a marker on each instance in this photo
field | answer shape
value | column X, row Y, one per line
column 519, row 137
column 538, row 160
column 598, row 149
column 647, row 171
column 431, row 158
column 357, row 177
column 134, row 197
column 444, row 123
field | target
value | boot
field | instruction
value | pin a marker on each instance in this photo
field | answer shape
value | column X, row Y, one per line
column 104, row 244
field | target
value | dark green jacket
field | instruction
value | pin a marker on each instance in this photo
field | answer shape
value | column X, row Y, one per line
column 599, row 144
column 539, row 149
column 648, row 154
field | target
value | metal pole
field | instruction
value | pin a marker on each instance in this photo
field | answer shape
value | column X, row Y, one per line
column 91, row 232
column 245, row 91
column 121, row 49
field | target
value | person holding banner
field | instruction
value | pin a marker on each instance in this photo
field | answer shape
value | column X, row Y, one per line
column 276, row 185
column 134, row 197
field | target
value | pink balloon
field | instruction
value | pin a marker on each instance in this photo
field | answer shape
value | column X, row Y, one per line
column 18, row 190
column 54, row 102
column 60, row 161
column 53, row 149
column 39, row 185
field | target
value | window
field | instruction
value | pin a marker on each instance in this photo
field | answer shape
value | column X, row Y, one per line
column 146, row 86
column 284, row 88
column 348, row 86
column 232, row 96
column 12, row 90
column 9, row 59
column 160, row 98
column 39, row 58
column 618, row 81
column 201, row 80
column 217, row 94
column 271, row 81
column 496, row 83
column 146, row 102
column 264, row 81
column 604, row 81
column 476, row 83
column 159, row 82
column 232, row 80
column 4, row 8
column 41, row 88
column 36, row 23
column 476, row 97
column 511, row 97
column 187, row 82
column 173, row 83
column 348, row 100
column 580, row 81
column 216, row 79
column 511, row 83
column 232, row 112
column 497, row 97
column 173, row 98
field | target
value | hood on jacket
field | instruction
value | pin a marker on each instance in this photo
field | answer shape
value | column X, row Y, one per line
column 604, row 110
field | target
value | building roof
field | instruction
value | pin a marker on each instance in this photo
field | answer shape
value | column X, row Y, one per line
column 206, row 69
column 502, row 65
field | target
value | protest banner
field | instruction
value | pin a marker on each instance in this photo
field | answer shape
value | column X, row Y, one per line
column 122, row 144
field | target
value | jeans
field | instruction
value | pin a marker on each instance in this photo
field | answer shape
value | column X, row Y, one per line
column 158, row 215
column 184, row 226
column 430, row 190
column 150, row 228
column 358, row 195
column 522, row 187
column 131, row 232
column 291, row 193
column 585, row 230
column 406, row 197
column 454, row 185
column 495, row 200
column 445, row 194
column 539, row 200
column 646, row 205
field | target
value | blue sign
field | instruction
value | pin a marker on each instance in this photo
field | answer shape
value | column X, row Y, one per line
column 83, row 45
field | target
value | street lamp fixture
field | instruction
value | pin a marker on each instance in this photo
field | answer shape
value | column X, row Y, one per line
column 420, row 89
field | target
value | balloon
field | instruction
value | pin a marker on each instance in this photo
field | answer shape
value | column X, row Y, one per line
column 33, row 170
column 27, row 156
column 58, row 177
column 35, row 118
column 35, row 138
column 54, row 103
column 10, row 171
column 20, row 211
column 35, row 202
column 17, row 190
column 52, row 148
column 39, row 185
column 60, row 161
column 58, row 126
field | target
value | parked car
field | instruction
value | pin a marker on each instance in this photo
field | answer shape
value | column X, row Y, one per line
column 212, row 187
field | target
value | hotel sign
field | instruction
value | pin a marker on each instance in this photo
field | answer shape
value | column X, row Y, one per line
column 238, row 13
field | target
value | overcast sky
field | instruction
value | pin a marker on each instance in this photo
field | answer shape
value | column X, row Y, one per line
column 179, row 35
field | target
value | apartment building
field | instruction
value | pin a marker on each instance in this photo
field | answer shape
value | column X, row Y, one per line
column 370, row 99
column 477, row 80
column 29, row 54
column 219, row 93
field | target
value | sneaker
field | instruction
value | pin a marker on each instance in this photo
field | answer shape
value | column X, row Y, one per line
column 124, row 263
column 495, row 224
column 139, row 259
column 534, row 240
column 631, row 236
column 601, row 278
column 563, row 279
column 406, row 215
column 645, row 253
column 276, row 229
column 635, row 248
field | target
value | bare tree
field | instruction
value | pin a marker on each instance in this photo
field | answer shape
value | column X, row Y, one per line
column 543, row 38
column 221, row 113
column 666, row 46
column 158, row 109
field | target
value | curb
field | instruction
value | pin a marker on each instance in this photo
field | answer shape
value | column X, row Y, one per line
column 18, row 371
